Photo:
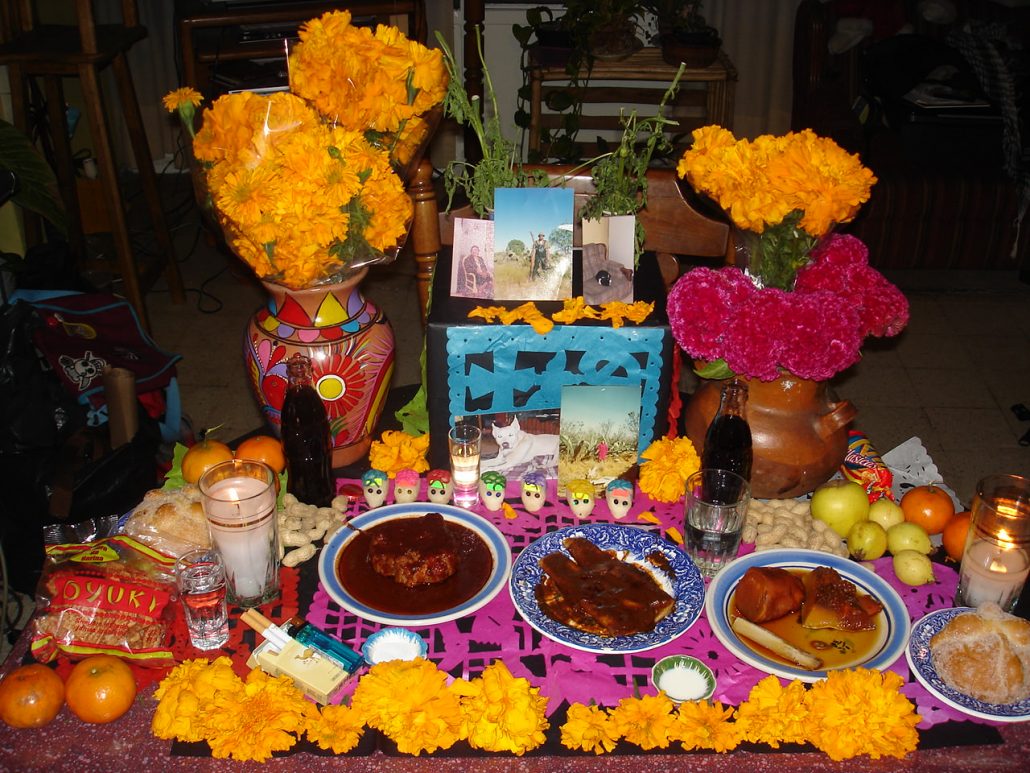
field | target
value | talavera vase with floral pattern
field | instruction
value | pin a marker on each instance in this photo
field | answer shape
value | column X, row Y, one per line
column 799, row 433
column 351, row 347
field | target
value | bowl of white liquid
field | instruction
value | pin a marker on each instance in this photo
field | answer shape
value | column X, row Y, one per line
column 683, row 678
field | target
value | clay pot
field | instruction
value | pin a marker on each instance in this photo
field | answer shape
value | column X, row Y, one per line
column 799, row 434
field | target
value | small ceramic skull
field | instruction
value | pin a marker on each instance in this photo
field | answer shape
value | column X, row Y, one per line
column 580, row 495
column 374, row 484
column 619, row 495
column 534, row 491
column 405, row 486
column 439, row 486
column 491, row 490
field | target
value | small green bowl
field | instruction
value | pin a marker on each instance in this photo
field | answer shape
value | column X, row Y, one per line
column 683, row 678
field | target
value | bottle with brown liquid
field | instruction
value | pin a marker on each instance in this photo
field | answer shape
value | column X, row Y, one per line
column 728, row 439
column 306, row 439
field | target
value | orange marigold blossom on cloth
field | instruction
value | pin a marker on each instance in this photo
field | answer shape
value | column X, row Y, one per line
column 646, row 721
column 186, row 690
column 337, row 729
column 410, row 702
column 396, row 451
column 617, row 311
column 589, row 729
column 704, row 725
column 774, row 713
column 501, row 712
column 667, row 464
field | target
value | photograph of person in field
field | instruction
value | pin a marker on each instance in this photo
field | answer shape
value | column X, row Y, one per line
column 533, row 244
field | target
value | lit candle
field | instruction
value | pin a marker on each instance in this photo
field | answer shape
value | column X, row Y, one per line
column 241, row 516
column 992, row 572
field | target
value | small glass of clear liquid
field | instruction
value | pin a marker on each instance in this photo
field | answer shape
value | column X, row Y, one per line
column 716, row 503
column 200, row 579
column 463, row 442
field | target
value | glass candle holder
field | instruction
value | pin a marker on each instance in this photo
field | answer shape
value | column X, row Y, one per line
column 239, row 501
column 996, row 560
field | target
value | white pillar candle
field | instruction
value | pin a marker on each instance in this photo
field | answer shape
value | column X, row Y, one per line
column 241, row 516
column 992, row 572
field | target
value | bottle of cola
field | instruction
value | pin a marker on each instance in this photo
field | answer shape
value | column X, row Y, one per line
column 728, row 439
column 305, row 435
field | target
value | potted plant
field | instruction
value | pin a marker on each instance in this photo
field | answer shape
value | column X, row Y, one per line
column 683, row 33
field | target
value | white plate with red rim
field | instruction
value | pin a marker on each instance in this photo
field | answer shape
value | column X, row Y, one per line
column 888, row 648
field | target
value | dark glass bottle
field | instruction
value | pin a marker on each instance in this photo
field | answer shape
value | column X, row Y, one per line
column 306, row 439
column 728, row 439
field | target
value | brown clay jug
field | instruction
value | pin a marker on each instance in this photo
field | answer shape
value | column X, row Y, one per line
column 799, row 435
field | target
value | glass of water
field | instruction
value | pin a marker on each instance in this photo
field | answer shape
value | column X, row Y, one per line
column 463, row 442
column 200, row 579
column 716, row 503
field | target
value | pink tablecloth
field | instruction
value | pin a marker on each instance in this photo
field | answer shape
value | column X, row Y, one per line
column 464, row 647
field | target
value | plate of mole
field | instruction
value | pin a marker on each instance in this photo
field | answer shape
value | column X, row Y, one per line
column 475, row 557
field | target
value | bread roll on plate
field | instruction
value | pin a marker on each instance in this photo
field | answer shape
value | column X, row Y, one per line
column 985, row 654
column 171, row 521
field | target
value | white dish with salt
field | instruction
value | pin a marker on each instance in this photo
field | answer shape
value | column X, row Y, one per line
column 683, row 678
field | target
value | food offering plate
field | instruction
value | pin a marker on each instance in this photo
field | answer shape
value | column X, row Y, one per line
column 888, row 647
column 919, row 660
column 631, row 544
column 493, row 539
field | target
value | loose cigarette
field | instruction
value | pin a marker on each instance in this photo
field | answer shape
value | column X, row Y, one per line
column 776, row 644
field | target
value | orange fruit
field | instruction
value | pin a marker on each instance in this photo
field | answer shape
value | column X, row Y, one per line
column 263, row 448
column 31, row 696
column 929, row 506
column 954, row 535
column 200, row 456
column 100, row 689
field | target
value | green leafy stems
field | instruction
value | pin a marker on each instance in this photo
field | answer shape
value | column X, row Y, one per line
column 776, row 254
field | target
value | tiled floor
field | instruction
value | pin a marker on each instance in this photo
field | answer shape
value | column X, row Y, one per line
column 948, row 379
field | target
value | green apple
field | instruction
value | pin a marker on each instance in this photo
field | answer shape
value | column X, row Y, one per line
column 867, row 541
column 908, row 536
column 886, row 513
column 840, row 504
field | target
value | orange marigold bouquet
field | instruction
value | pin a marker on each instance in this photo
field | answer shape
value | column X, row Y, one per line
column 304, row 182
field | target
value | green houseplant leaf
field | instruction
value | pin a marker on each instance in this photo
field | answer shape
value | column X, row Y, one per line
column 36, row 184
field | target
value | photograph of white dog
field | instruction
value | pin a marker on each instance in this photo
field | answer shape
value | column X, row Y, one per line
column 521, row 442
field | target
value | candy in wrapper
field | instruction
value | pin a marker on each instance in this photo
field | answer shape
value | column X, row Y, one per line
column 863, row 464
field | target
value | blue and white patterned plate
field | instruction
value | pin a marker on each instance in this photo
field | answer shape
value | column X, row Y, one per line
column 919, row 660
column 630, row 544
column 894, row 633
column 493, row 538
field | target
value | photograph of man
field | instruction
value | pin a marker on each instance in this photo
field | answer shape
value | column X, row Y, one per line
column 539, row 258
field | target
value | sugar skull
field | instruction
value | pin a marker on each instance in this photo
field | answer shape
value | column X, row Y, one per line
column 439, row 486
column 374, row 484
column 405, row 486
column 534, row 491
column 491, row 490
column 619, row 495
column 580, row 495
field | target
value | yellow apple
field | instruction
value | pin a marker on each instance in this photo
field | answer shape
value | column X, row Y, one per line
column 840, row 504
column 908, row 536
column 886, row 513
column 867, row 541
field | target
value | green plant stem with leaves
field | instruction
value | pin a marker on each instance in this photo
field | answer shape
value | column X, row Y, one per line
column 776, row 254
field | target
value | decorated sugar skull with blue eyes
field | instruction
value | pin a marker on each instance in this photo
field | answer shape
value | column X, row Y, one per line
column 580, row 495
column 374, row 484
column 491, row 489
column 619, row 495
column 534, row 491
column 439, row 486
column 405, row 486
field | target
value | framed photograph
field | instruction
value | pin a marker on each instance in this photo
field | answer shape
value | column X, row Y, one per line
column 533, row 244
column 516, row 443
column 472, row 269
column 608, row 259
column 600, row 430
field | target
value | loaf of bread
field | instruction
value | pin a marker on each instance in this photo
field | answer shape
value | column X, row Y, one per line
column 171, row 521
column 985, row 654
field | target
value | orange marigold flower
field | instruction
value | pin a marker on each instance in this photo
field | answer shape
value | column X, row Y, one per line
column 589, row 729
column 337, row 729
column 704, row 725
column 500, row 712
column 774, row 714
column 646, row 721
column 667, row 465
column 396, row 451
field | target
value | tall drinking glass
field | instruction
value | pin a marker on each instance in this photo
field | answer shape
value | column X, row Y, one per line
column 996, row 561
column 463, row 442
column 716, row 503
column 239, row 502
column 200, row 580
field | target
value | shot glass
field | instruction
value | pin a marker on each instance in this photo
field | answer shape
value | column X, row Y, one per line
column 716, row 503
column 200, row 580
column 463, row 442
column 996, row 560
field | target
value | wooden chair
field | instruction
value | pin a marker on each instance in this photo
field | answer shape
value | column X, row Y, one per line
column 672, row 226
column 52, row 52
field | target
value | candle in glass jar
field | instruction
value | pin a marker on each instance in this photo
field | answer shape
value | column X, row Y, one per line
column 992, row 572
column 241, row 516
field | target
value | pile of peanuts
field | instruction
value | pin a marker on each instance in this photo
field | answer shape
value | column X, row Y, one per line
column 302, row 526
column 788, row 523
